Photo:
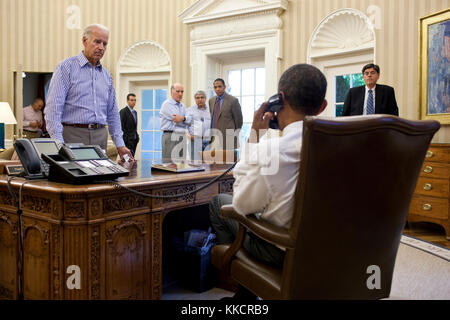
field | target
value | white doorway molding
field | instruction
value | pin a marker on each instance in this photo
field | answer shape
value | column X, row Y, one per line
column 144, row 63
column 342, row 43
column 222, row 30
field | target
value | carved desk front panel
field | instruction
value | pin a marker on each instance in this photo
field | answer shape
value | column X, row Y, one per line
column 94, row 241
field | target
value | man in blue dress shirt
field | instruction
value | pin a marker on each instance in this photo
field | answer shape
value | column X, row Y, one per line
column 172, row 122
column 81, row 98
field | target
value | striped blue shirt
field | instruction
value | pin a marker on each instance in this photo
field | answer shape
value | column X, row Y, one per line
column 168, row 109
column 81, row 93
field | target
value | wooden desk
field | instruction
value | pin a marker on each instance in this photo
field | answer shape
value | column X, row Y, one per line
column 113, row 235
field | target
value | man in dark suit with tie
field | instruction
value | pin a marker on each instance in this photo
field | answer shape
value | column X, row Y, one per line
column 371, row 98
column 226, row 117
column 128, row 118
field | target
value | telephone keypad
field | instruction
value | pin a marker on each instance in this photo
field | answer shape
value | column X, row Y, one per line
column 45, row 167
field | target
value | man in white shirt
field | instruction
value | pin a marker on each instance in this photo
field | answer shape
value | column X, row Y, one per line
column 267, row 172
column 172, row 124
column 198, row 119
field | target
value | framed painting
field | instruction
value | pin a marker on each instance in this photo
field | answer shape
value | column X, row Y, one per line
column 434, row 66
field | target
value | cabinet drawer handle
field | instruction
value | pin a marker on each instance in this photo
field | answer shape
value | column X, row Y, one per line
column 427, row 187
column 429, row 154
column 426, row 207
column 428, row 169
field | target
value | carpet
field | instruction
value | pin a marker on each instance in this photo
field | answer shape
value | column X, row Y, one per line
column 422, row 271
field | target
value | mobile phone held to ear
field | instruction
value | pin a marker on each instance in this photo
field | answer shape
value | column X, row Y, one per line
column 274, row 104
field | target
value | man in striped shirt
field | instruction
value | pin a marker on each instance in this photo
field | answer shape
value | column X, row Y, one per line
column 81, row 98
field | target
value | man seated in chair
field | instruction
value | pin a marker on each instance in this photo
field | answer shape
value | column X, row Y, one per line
column 267, row 172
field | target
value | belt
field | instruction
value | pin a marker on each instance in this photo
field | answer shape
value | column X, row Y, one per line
column 167, row 131
column 30, row 131
column 85, row 125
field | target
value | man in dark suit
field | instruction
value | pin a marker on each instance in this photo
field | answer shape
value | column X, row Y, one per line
column 226, row 117
column 371, row 98
column 128, row 118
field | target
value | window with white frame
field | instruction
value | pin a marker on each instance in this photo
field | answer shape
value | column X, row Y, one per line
column 248, row 86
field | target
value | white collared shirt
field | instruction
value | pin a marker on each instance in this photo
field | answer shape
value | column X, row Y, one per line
column 365, row 99
column 198, row 121
column 31, row 115
column 266, row 176
column 168, row 109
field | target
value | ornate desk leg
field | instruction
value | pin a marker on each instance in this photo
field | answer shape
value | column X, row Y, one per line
column 156, row 261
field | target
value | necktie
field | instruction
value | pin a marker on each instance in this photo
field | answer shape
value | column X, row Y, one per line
column 135, row 120
column 216, row 112
column 370, row 108
column 135, row 116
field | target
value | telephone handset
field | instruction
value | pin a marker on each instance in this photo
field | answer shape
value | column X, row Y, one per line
column 30, row 159
column 274, row 104
column 83, row 152
column 67, row 153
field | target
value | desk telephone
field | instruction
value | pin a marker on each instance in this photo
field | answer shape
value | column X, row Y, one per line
column 74, row 164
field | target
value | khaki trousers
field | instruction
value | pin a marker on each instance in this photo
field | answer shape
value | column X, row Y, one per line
column 86, row 136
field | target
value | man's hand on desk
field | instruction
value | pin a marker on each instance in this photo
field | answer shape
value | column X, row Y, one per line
column 125, row 151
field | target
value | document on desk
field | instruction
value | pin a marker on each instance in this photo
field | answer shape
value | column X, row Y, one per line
column 177, row 167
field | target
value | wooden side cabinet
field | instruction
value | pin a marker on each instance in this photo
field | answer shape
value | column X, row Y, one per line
column 431, row 197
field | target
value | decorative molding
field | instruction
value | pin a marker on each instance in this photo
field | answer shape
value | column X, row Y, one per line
column 342, row 31
column 128, row 202
column 7, row 219
column 126, row 223
column 225, row 29
column 6, row 293
column 237, row 26
column 179, row 190
column 56, row 209
column 44, row 233
column 144, row 56
column 142, row 61
column 95, row 207
column 56, row 243
column 7, row 199
column 156, row 256
column 226, row 186
column 95, row 262
column 10, row 244
column 74, row 209
column 214, row 10
column 36, row 204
